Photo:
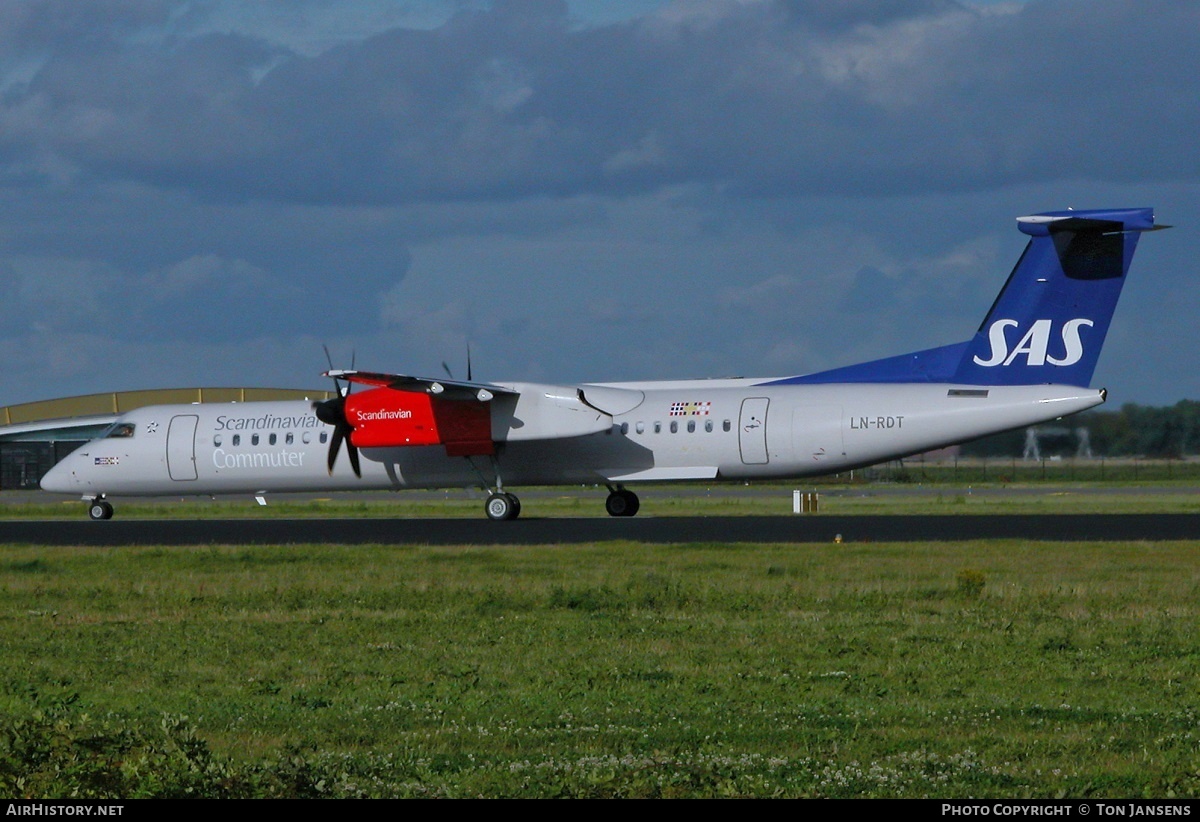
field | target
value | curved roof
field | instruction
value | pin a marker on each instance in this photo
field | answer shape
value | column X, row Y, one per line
column 95, row 409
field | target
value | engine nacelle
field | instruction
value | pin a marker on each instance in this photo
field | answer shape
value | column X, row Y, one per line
column 390, row 418
column 387, row 418
column 543, row 412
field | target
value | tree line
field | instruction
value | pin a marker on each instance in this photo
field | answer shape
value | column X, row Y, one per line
column 1171, row 432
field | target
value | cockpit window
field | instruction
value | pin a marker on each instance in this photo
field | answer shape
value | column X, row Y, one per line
column 119, row 430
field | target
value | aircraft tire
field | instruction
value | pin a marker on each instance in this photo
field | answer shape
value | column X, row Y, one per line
column 622, row 503
column 100, row 509
column 500, row 507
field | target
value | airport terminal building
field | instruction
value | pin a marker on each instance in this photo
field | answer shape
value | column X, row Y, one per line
column 34, row 436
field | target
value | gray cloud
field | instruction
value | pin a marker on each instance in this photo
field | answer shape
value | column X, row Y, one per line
column 515, row 100
column 727, row 186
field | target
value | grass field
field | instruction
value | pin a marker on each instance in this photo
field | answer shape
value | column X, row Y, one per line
column 938, row 496
column 998, row 669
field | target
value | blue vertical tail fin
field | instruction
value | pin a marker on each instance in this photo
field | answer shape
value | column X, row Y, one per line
column 1049, row 321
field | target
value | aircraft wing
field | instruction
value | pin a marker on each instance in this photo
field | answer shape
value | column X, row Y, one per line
column 446, row 389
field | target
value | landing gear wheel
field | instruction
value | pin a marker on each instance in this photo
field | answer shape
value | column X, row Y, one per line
column 622, row 503
column 100, row 509
column 502, row 506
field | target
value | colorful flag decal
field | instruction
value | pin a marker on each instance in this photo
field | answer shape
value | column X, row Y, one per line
column 690, row 409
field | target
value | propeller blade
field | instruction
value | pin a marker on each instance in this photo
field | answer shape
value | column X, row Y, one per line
column 335, row 442
column 450, row 373
column 337, row 384
column 352, row 453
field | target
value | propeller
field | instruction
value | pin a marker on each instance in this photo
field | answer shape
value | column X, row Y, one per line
column 450, row 373
column 333, row 412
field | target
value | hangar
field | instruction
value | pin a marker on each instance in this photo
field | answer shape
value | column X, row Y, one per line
column 34, row 436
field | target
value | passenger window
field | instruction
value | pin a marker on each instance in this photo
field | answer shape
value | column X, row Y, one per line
column 237, row 439
column 708, row 426
column 306, row 437
column 674, row 426
column 691, row 426
column 725, row 426
column 217, row 440
column 624, row 428
column 641, row 427
column 271, row 439
column 324, row 436
column 254, row 439
column 657, row 427
column 289, row 438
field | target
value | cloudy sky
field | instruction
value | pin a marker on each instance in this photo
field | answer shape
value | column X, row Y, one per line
column 204, row 192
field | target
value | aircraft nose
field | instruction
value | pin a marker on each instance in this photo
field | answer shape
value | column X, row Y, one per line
column 60, row 479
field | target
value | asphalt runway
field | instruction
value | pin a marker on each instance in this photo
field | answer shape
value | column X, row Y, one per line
column 656, row 530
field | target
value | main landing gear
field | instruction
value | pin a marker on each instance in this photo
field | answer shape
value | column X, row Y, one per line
column 501, row 506
column 100, row 508
column 621, row 502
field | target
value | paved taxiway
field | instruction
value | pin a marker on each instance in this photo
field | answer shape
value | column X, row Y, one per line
column 534, row 531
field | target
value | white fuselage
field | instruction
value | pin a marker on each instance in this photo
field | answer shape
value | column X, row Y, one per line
column 653, row 431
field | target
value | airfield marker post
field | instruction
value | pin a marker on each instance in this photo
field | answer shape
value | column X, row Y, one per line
column 804, row 502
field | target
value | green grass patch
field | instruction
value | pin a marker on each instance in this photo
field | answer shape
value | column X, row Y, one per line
column 952, row 669
column 837, row 496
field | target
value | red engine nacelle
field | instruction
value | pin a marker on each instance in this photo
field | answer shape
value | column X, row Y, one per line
column 387, row 418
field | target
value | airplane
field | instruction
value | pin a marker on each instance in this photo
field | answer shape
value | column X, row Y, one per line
column 1030, row 361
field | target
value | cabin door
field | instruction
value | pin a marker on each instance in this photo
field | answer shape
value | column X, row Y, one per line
column 181, row 447
column 752, row 430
